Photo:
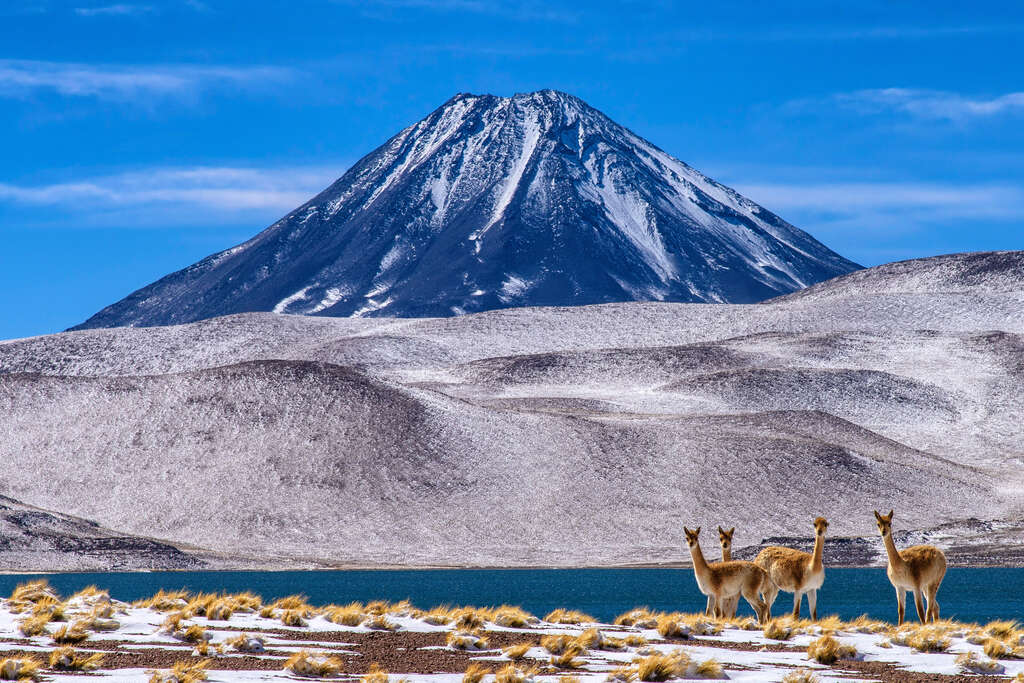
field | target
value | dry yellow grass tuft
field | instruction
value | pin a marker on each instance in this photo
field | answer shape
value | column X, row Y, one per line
column 701, row 625
column 348, row 615
column 247, row 642
column 165, row 601
column 34, row 626
column 568, row 678
column 567, row 660
column 463, row 640
column 829, row 624
column 998, row 649
column 474, row 673
column 517, row 651
column 641, row 617
column 220, row 609
column 709, row 668
column 20, row 669
column 514, row 674
column 970, row 662
column 1003, row 630
column 439, row 616
column 929, row 639
column 634, row 640
column 558, row 644
column 182, row 672
column 55, row 610
column 69, row 634
column 865, row 624
column 380, row 622
column 468, row 617
column 568, row 616
column 305, row 663
column 776, row 630
column 662, row 667
column 375, row 675
column 512, row 617
column 293, row 617
column 292, row 602
column 672, row 626
column 828, row 650
column 378, row 607
column 622, row 674
column 66, row 659
column 801, row 676
column 33, row 592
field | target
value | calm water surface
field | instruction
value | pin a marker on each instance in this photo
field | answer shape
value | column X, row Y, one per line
column 966, row 594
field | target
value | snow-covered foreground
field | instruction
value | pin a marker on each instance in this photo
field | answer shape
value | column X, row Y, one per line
column 181, row 638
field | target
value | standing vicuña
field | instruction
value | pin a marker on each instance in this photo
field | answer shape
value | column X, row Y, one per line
column 919, row 569
column 795, row 571
column 725, row 540
column 722, row 580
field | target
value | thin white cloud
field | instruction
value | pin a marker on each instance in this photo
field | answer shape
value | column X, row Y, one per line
column 521, row 10
column 183, row 190
column 838, row 207
column 931, row 104
column 19, row 78
column 119, row 9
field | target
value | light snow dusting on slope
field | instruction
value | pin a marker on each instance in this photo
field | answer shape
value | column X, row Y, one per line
column 283, row 304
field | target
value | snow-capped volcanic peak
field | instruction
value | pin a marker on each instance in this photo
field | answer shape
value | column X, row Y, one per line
column 491, row 202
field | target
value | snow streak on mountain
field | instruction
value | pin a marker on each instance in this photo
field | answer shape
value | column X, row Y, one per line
column 493, row 202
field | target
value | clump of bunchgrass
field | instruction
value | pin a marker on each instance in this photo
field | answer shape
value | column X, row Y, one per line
column 474, row 673
column 205, row 648
column 517, row 651
column 567, row 660
column 512, row 617
column 34, row 626
column 865, row 624
column 293, row 617
column 970, row 662
column 709, row 668
column 306, row 663
column 801, row 676
column 33, row 592
column 377, row 675
column 220, row 609
column 662, row 667
column 777, row 630
column 348, row 615
column 515, row 674
column 165, row 601
column 464, row 640
column 634, row 640
column 182, row 672
column 380, row 622
column 67, row 659
column 828, row 650
column 673, row 626
column 560, row 643
column 622, row 674
column 927, row 639
column 69, row 634
column 641, row 617
column 568, row 616
column 700, row 625
column 248, row 642
column 468, row 618
column 439, row 616
column 20, row 669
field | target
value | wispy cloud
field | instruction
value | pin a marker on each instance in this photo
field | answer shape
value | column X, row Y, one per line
column 522, row 10
column 19, row 78
column 120, row 9
column 879, row 206
column 931, row 104
column 169, row 194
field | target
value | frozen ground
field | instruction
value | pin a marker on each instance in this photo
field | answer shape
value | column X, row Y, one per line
column 542, row 436
column 413, row 644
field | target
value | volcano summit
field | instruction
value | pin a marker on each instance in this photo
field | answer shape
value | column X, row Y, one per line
column 492, row 202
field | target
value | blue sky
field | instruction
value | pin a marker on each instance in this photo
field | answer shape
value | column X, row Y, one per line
column 139, row 136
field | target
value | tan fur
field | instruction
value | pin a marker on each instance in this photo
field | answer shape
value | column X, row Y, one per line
column 919, row 569
column 722, row 580
column 795, row 571
column 725, row 540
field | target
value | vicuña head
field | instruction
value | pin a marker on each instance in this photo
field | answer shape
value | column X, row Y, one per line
column 725, row 538
column 884, row 523
column 820, row 526
column 691, row 536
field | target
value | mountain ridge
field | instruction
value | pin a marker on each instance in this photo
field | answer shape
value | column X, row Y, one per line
column 491, row 202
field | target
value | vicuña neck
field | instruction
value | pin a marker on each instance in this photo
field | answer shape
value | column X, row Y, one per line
column 819, row 547
column 726, row 554
column 700, row 565
column 895, row 559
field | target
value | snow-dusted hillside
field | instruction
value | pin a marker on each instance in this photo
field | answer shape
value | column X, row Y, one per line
column 537, row 435
column 493, row 202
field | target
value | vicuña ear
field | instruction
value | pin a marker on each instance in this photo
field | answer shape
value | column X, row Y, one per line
column 890, row 515
column 731, row 531
column 878, row 516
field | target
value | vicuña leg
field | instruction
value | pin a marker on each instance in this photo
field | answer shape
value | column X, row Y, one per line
column 755, row 601
column 919, row 603
column 796, row 604
column 933, row 603
column 770, row 593
column 711, row 606
column 901, row 603
column 812, row 603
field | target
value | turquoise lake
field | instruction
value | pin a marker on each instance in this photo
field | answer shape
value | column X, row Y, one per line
column 966, row 594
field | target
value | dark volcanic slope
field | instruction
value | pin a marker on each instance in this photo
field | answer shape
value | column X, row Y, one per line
column 493, row 202
column 33, row 538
